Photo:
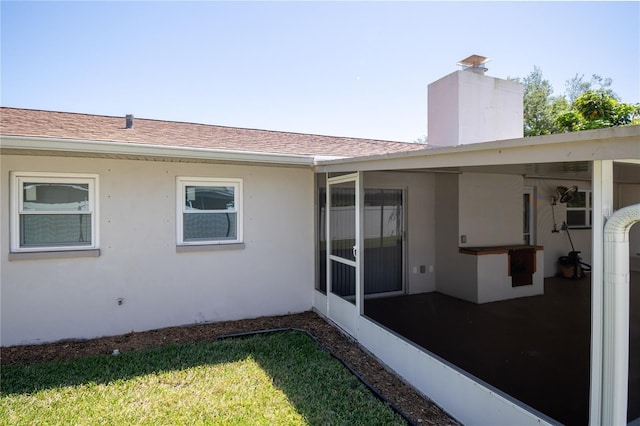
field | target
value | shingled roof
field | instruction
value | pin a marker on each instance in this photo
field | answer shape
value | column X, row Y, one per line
column 64, row 125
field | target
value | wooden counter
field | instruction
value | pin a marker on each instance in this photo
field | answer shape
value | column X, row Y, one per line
column 477, row 251
column 503, row 272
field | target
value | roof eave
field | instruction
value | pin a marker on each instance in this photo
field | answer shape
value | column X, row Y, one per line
column 602, row 144
column 88, row 147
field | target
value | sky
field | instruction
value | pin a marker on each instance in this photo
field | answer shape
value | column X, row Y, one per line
column 358, row 69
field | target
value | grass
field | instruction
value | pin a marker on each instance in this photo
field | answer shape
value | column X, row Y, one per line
column 274, row 379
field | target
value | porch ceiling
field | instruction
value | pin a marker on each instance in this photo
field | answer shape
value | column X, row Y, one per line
column 624, row 172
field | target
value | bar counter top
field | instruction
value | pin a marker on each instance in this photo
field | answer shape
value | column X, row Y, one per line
column 477, row 251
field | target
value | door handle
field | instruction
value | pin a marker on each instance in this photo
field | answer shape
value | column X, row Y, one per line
column 355, row 252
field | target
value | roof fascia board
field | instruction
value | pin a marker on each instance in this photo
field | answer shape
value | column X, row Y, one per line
column 620, row 143
column 143, row 150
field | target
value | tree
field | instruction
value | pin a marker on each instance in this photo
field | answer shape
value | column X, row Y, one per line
column 577, row 86
column 596, row 109
column 588, row 105
column 540, row 107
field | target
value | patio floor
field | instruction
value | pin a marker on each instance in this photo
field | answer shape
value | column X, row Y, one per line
column 536, row 349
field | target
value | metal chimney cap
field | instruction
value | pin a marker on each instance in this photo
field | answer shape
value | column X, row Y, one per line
column 473, row 61
column 129, row 121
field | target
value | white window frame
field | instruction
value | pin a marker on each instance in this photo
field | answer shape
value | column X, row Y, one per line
column 17, row 208
column 182, row 182
column 587, row 209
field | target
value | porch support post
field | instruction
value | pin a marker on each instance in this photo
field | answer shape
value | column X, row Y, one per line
column 327, row 238
column 615, row 357
column 602, row 186
column 360, row 245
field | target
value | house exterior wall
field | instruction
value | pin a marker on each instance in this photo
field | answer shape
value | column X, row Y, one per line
column 490, row 209
column 456, row 274
column 51, row 299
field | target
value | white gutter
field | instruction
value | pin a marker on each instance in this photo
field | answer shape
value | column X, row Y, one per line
column 137, row 149
column 615, row 355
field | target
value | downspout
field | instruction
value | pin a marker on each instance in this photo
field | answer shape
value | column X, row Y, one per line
column 615, row 351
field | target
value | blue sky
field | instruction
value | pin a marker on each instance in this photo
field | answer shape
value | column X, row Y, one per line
column 337, row 68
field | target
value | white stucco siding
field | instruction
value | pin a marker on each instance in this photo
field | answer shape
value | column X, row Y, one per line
column 490, row 212
column 456, row 274
column 494, row 283
column 443, row 114
column 465, row 107
column 51, row 299
column 490, row 108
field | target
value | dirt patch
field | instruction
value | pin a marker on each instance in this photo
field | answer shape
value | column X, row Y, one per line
column 419, row 409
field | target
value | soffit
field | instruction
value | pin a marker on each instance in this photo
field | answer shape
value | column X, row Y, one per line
column 578, row 170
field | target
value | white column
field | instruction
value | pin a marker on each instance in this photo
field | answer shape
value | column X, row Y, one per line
column 602, row 186
column 615, row 326
column 360, row 245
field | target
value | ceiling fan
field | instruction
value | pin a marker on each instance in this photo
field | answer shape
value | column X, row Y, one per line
column 564, row 194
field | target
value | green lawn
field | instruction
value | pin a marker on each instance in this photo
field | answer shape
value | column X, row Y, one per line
column 282, row 378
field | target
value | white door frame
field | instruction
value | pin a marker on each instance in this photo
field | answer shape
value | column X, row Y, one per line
column 344, row 313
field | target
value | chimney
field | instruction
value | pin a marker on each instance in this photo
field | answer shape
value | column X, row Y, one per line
column 129, row 124
column 468, row 106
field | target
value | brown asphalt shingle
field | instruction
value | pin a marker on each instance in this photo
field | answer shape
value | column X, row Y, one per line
column 64, row 125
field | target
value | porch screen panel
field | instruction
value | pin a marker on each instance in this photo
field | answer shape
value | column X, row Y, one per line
column 343, row 220
column 321, row 252
column 383, row 221
column 343, row 239
column 343, row 281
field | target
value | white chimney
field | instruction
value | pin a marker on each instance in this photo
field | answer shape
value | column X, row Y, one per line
column 468, row 106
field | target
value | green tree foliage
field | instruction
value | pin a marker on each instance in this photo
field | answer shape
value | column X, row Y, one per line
column 596, row 109
column 577, row 86
column 540, row 107
column 587, row 105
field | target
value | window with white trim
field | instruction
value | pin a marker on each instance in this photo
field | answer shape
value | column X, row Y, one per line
column 209, row 211
column 53, row 211
column 579, row 210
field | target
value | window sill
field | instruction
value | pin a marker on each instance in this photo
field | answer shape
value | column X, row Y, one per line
column 65, row 254
column 209, row 247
